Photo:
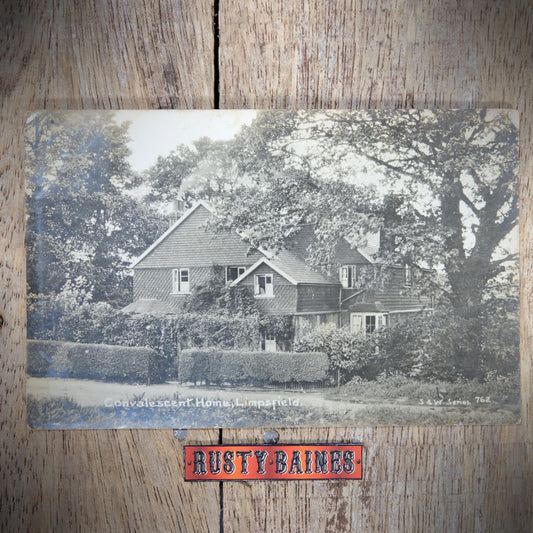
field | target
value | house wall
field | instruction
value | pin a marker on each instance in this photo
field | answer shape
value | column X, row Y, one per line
column 398, row 318
column 396, row 296
column 392, row 294
column 285, row 296
column 156, row 283
column 318, row 297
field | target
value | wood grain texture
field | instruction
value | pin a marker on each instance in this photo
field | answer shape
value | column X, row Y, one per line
column 105, row 54
column 357, row 54
column 339, row 53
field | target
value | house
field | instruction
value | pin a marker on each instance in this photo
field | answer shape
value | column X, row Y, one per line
column 191, row 252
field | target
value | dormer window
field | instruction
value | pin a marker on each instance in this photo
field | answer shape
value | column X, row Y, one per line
column 263, row 286
column 348, row 276
column 233, row 272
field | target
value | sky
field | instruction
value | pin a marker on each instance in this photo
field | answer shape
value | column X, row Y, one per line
column 156, row 133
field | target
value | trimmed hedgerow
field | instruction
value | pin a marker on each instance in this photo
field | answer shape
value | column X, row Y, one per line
column 213, row 365
column 39, row 359
column 94, row 361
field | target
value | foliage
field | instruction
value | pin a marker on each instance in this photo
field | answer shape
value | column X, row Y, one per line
column 251, row 367
column 499, row 390
column 215, row 296
column 451, row 347
column 94, row 361
column 348, row 353
column 83, row 228
column 448, row 201
column 99, row 323
column 65, row 413
column 394, row 399
column 205, row 170
column 39, row 358
column 429, row 347
column 450, row 183
column 168, row 172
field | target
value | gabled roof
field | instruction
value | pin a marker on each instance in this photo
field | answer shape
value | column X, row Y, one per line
column 170, row 230
column 268, row 262
column 230, row 246
column 299, row 269
column 291, row 267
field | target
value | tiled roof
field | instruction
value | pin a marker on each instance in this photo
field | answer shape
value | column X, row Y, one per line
column 289, row 262
column 189, row 242
column 293, row 269
column 343, row 253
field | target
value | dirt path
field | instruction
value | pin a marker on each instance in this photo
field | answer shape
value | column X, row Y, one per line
column 96, row 393
column 241, row 407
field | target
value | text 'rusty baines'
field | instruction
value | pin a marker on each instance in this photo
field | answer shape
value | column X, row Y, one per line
column 220, row 463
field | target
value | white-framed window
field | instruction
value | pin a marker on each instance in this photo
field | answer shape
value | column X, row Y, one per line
column 348, row 276
column 367, row 322
column 180, row 281
column 263, row 286
column 268, row 342
column 233, row 272
column 408, row 275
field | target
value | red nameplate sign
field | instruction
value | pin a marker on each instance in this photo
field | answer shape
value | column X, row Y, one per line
column 227, row 463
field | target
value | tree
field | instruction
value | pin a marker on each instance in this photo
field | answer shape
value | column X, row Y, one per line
column 458, row 202
column 166, row 175
column 446, row 201
column 286, row 185
column 204, row 170
column 83, row 226
column 441, row 186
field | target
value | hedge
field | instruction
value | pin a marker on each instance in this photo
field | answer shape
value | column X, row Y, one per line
column 39, row 359
column 91, row 361
column 213, row 365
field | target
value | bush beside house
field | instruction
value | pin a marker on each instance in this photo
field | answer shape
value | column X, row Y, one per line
column 428, row 347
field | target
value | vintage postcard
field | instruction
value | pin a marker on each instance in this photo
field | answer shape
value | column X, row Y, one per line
column 194, row 269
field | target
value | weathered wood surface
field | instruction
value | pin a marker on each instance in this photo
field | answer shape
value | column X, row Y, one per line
column 63, row 54
column 152, row 54
column 362, row 53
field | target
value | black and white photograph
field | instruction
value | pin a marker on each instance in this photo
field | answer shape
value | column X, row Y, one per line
column 198, row 269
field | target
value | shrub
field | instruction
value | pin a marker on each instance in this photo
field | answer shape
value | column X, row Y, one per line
column 232, row 366
column 95, row 361
column 348, row 353
column 99, row 323
column 431, row 347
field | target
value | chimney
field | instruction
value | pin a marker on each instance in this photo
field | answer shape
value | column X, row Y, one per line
column 177, row 210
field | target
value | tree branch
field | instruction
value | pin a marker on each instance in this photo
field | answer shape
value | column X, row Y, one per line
column 469, row 203
column 509, row 257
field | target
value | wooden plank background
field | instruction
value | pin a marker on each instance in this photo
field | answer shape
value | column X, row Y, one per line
column 144, row 54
